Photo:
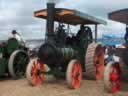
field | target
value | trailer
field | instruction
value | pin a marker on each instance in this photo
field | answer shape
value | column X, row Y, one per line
column 66, row 55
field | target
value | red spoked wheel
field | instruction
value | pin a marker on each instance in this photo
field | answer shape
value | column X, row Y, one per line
column 74, row 74
column 112, row 80
column 35, row 72
column 94, row 61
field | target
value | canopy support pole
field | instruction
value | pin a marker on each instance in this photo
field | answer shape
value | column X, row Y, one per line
column 68, row 29
column 96, row 32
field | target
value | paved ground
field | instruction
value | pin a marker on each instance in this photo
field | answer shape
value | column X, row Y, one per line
column 55, row 88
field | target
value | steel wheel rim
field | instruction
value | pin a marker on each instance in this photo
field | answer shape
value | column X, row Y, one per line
column 99, row 62
column 37, row 72
column 114, row 77
column 76, row 75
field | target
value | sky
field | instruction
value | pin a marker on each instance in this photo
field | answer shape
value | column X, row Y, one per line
column 18, row 14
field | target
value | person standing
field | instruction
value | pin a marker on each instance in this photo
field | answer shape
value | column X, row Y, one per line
column 18, row 37
column 126, row 35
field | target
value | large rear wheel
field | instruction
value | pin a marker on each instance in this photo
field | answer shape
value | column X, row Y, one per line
column 17, row 63
column 94, row 66
column 74, row 74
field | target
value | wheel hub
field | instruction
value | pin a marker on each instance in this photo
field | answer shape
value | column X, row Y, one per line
column 97, row 62
column 77, row 75
column 38, row 72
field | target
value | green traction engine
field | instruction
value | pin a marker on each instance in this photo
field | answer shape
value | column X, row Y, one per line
column 13, row 58
column 66, row 56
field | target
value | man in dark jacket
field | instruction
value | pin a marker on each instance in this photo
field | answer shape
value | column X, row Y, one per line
column 126, row 35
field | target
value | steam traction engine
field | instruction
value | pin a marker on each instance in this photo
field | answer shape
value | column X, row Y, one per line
column 13, row 58
column 65, row 55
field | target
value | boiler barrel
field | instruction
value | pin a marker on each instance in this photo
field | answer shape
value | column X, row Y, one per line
column 53, row 56
column 68, row 53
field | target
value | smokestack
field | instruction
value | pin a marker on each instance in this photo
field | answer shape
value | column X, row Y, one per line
column 50, row 22
column 53, row 1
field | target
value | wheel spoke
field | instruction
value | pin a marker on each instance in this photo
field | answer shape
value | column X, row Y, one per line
column 33, row 70
column 35, row 65
column 73, row 72
column 77, row 67
column 73, row 82
column 77, row 83
column 16, row 70
column 80, row 73
column 76, row 75
column 115, row 80
column 36, row 80
column 41, row 76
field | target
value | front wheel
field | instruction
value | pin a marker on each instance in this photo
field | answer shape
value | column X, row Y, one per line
column 35, row 72
column 74, row 74
column 112, row 74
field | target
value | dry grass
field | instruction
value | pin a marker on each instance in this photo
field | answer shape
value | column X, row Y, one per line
column 55, row 88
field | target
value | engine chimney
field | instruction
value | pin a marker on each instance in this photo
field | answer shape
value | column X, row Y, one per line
column 50, row 23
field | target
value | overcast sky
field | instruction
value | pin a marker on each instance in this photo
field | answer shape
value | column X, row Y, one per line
column 18, row 14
